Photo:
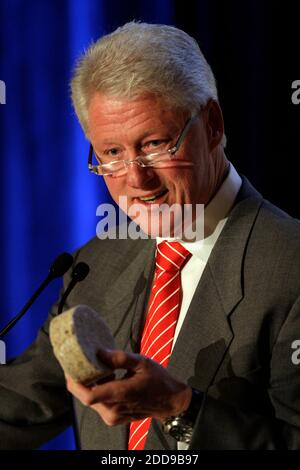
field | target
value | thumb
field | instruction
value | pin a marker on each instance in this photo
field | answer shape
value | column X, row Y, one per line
column 118, row 359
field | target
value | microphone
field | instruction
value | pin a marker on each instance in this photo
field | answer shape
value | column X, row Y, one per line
column 59, row 267
column 79, row 273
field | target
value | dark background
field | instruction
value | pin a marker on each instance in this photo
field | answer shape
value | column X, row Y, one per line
column 48, row 198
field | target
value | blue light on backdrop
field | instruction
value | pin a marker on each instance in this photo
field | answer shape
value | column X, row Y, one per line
column 48, row 198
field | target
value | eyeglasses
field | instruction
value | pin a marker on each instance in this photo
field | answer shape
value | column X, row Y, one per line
column 159, row 159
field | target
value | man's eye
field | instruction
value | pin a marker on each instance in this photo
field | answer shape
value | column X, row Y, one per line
column 155, row 144
column 113, row 152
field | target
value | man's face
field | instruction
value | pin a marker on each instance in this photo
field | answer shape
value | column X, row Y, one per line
column 127, row 129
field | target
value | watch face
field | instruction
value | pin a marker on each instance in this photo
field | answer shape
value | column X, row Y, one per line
column 176, row 432
column 181, row 427
column 179, row 430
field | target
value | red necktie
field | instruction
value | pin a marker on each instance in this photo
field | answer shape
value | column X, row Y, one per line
column 159, row 330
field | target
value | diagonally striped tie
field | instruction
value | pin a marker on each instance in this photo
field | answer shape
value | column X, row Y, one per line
column 159, row 330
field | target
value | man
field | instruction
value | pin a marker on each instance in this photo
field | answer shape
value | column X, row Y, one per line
column 213, row 369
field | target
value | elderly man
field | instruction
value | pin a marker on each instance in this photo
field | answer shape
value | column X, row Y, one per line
column 204, row 328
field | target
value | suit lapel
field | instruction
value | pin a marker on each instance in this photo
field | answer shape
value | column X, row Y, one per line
column 124, row 301
column 123, row 307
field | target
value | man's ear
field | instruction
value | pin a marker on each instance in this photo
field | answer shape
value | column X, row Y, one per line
column 214, row 124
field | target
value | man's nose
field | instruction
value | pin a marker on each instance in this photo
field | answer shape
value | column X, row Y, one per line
column 138, row 176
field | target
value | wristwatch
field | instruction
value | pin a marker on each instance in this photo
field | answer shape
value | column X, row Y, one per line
column 181, row 427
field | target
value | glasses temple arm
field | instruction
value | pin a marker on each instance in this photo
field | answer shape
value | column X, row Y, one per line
column 90, row 159
column 184, row 132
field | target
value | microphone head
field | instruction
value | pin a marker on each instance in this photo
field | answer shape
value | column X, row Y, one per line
column 80, row 271
column 61, row 265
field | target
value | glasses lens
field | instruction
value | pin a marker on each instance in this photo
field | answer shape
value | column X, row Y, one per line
column 119, row 168
column 112, row 168
column 155, row 159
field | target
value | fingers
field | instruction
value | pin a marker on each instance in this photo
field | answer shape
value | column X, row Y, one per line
column 115, row 391
column 87, row 396
column 112, row 413
column 131, row 388
column 117, row 359
column 146, row 390
column 79, row 391
column 110, row 391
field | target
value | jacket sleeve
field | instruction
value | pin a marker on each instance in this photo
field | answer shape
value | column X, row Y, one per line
column 34, row 404
column 222, row 424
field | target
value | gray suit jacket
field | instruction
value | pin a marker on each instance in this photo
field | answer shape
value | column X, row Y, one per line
column 235, row 342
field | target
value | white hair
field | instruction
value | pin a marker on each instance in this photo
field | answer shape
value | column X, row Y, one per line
column 140, row 58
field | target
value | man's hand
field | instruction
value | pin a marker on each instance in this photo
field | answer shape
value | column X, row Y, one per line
column 147, row 389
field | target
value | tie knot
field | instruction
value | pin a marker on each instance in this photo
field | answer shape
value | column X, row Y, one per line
column 171, row 256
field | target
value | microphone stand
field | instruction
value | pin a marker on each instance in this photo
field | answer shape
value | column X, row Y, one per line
column 57, row 269
column 60, row 266
column 26, row 307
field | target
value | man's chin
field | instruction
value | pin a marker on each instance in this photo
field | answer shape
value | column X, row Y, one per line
column 158, row 221
column 153, row 231
column 164, row 220
column 175, row 223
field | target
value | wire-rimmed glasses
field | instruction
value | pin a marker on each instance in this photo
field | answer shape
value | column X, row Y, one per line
column 158, row 159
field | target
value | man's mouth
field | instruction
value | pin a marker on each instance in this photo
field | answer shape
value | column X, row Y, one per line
column 154, row 197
